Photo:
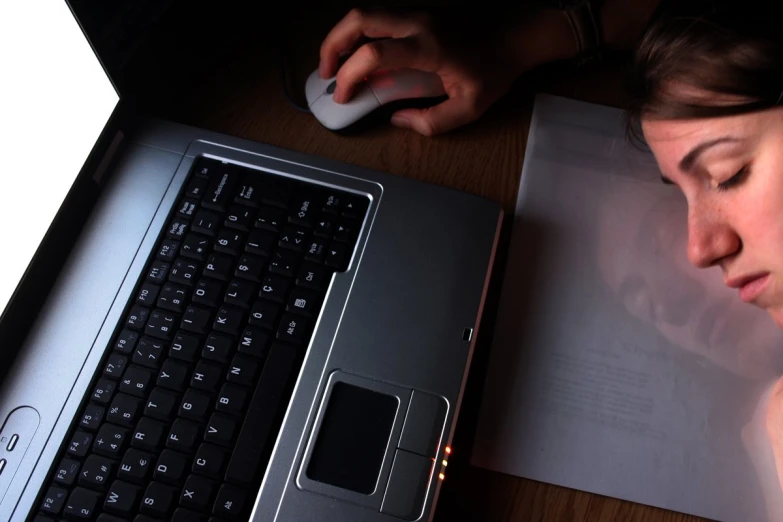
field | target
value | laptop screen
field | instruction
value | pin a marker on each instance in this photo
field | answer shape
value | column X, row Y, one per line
column 54, row 103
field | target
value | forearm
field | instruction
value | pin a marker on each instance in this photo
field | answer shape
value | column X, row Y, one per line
column 544, row 34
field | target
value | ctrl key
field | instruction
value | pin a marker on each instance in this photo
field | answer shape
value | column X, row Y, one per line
column 81, row 504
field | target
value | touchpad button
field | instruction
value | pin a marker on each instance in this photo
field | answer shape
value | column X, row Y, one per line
column 353, row 438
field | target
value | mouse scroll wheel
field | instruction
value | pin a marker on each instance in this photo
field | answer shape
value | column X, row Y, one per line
column 330, row 88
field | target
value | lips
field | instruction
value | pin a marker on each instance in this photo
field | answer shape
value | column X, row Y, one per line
column 750, row 286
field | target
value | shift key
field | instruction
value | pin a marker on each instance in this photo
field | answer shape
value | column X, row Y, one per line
column 221, row 188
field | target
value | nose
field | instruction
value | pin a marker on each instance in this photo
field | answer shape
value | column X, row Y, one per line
column 710, row 239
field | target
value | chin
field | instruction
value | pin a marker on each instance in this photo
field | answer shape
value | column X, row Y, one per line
column 777, row 316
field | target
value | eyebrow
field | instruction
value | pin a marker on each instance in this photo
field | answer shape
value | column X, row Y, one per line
column 687, row 162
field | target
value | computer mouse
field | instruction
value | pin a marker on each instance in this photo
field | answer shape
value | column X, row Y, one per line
column 380, row 96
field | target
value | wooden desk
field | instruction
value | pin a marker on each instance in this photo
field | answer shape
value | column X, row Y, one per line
column 240, row 94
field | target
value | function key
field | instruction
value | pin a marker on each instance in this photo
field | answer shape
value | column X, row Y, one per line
column 187, row 208
column 168, row 250
column 221, row 187
column 54, row 500
column 177, row 228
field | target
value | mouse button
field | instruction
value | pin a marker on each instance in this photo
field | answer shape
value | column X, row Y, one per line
column 330, row 88
column 315, row 87
column 336, row 116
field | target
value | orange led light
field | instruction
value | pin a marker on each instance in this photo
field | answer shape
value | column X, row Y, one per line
column 445, row 463
column 441, row 476
column 448, row 450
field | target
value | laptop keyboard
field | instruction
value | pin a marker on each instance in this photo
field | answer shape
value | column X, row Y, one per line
column 182, row 415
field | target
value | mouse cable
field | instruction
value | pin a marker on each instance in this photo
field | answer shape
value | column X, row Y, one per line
column 286, row 91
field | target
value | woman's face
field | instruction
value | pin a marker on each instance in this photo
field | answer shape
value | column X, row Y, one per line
column 731, row 172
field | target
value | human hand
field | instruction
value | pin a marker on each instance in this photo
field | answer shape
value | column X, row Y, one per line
column 475, row 72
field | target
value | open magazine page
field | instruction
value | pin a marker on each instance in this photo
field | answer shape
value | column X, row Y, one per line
column 617, row 367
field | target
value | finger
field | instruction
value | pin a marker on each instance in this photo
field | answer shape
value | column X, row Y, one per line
column 381, row 54
column 356, row 24
column 438, row 119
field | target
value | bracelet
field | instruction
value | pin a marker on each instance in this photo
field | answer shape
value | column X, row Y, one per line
column 586, row 28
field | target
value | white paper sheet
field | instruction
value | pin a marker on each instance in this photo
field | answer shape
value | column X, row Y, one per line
column 618, row 368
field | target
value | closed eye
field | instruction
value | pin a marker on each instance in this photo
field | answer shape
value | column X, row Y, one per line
column 736, row 179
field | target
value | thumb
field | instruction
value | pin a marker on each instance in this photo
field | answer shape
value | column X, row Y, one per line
column 437, row 119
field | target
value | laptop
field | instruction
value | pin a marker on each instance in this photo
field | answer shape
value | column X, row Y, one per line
column 197, row 327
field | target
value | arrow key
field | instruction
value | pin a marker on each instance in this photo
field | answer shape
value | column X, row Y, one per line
column 337, row 256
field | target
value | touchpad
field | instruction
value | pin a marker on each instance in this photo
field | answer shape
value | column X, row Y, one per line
column 353, row 438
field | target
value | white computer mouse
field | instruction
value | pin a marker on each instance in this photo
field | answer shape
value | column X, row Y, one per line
column 381, row 95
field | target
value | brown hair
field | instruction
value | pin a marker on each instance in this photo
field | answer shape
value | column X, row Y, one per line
column 695, row 50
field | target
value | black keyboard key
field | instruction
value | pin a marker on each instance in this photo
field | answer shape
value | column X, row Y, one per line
column 355, row 207
column 185, row 347
column 277, row 192
column 293, row 238
column 304, row 208
column 294, row 329
column 304, row 302
column 136, row 381
column 346, row 232
column 168, row 249
column 161, row 324
column 67, row 471
column 184, row 271
column 229, row 319
column 264, row 314
column 221, row 187
column 195, row 405
column 271, row 219
column 82, row 504
column 258, row 427
column 171, row 467
column 208, row 292
column 124, row 410
column 243, row 370
column 126, row 342
column 158, row 272
column 158, row 499
column 122, row 498
column 210, row 461
column 197, row 493
column 206, row 223
column 137, row 318
column 54, row 500
column 316, row 250
column 231, row 399
column 284, row 262
column 229, row 242
column 313, row 276
column 196, row 320
column 115, row 365
column 149, row 351
column 183, row 436
column 177, row 229
column 254, row 341
column 161, row 405
column 95, row 472
column 218, row 348
column 92, row 416
column 239, row 218
column 219, row 266
column 187, row 208
column 240, row 293
column 186, row 515
column 148, row 435
column 196, row 188
column 145, row 518
column 103, row 391
column 80, row 443
column 220, row 430
column 206, row 167
column 103, row 517
column 206, row 376
column 173, row 297
column 135, row 466
column 195, row 247
column 274, row 288
column 248, row 190
column 324, row 227
column 337, row 256
column 229, row 502
column 250, row 268
column 147, row 295
column 333, row 203
column 260, row 242
column 110, row 441
column 173, row 375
